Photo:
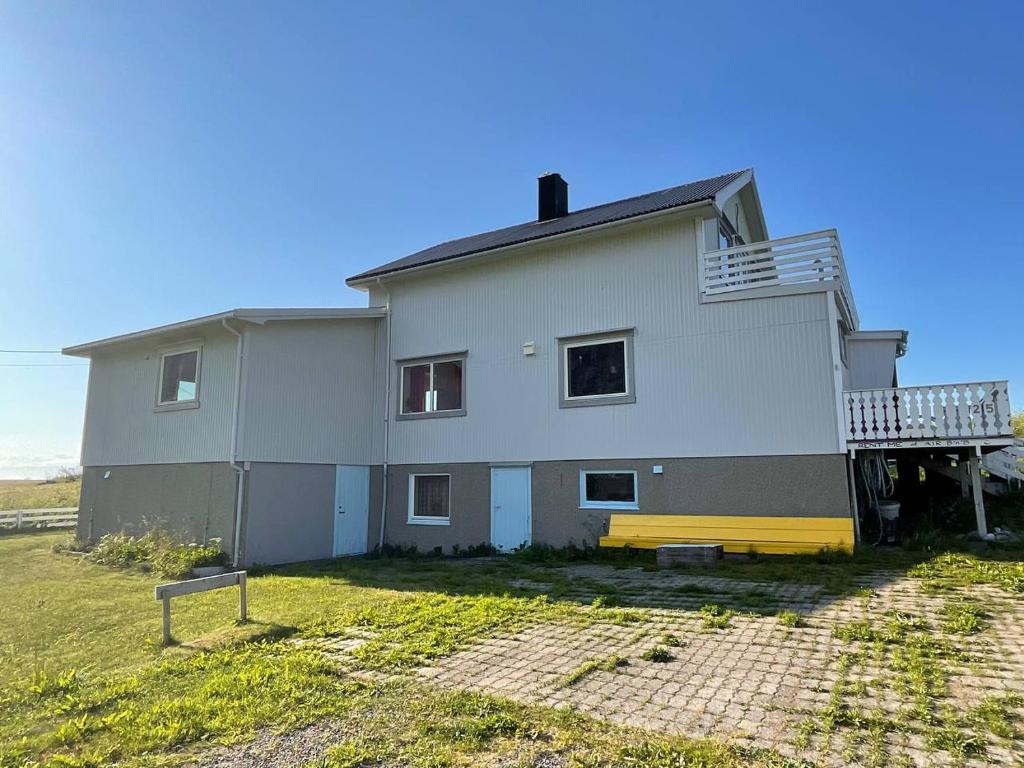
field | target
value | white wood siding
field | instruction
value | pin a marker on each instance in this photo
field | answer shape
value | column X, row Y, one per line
column 734, row 378
column 309, row 392
column 122, row 426
column 736, row 212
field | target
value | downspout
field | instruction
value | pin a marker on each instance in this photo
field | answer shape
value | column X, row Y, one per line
column 233, row 455
column 387, row 412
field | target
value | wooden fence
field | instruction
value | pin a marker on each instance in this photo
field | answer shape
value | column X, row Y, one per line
column 58, row 517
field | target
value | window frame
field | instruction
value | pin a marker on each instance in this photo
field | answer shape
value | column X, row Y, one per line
column 565, row 343
column 843, row 339
column 585, row 503
column 179, row 349
column 411, row 362
column 412, row 519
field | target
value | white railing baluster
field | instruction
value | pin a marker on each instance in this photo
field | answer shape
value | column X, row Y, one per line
column 976, row 410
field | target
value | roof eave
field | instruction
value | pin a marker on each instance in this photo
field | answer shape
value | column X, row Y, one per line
column 257, row 316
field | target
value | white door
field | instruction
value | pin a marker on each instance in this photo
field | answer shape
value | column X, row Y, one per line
column 511, row 507
column 351, row 510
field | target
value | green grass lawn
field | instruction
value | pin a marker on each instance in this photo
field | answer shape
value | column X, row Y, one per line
column 83, row 681
column 34, row 494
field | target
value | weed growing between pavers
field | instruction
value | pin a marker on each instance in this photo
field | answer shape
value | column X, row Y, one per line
column 606, row 664
column 963, row 617
column 406, row 632
column 658, row 654
column 914, row 666
column 714, row 616
column 790, row 619
column 958, row 569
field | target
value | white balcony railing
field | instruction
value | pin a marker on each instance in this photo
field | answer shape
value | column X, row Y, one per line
column 811, row 258
column 934, row 412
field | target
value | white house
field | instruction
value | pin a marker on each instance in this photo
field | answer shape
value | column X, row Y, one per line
column 655, row 355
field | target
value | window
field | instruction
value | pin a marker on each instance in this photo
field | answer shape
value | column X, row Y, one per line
column 608, row 489
column 597, row 370
column 432, row 388
column 727, row 234
column 179, row 379
column 429, row 499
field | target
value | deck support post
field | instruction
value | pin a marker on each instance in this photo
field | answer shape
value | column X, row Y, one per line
column 965, row 477
column 979, row 501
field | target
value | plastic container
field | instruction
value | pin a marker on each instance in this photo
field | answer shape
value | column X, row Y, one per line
column 889, row 510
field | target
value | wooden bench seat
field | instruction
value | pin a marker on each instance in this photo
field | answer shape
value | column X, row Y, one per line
column 769, row 535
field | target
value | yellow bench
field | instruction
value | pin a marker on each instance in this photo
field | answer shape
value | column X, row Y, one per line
column 770, row 535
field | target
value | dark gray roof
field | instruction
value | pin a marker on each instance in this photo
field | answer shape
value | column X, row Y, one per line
column 694, row 192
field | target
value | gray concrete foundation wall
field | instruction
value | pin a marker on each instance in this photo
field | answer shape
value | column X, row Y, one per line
column 289, row 514
column 797, row 486
column 193, row 501
column 470, row 507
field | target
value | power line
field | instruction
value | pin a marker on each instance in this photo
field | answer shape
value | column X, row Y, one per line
column 44, row 365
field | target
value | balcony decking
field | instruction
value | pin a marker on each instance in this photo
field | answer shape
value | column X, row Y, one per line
column 932, row 416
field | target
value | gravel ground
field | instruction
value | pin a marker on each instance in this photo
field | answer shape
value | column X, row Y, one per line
column 277, row 750
column 300, row 747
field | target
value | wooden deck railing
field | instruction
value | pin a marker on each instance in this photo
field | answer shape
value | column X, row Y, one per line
column 934, row 412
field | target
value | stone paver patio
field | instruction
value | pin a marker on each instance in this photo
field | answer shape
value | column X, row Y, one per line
column 801, row 690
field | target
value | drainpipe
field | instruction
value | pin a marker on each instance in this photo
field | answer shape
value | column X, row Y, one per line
column 387, row 412
column 233, row 455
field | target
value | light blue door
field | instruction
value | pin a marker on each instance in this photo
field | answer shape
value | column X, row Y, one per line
column 351, row 510
column 511, row 507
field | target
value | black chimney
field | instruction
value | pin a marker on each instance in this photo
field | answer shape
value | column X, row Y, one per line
column 552, row 197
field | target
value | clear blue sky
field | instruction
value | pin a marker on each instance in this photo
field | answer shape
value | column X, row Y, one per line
column 160, row 161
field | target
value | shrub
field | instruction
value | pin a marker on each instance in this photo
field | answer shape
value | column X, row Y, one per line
column 121, row 550
column 168, row 557
column 177, row 562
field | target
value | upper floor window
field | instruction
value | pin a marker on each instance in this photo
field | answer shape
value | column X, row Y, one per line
column 597, row 370
column 433, row 387
column 179, row 378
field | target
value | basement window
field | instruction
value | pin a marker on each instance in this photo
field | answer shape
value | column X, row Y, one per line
column 432, row 387
column 596, row 370
column 430, row 499
column 179, row 379
column 608, row 489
